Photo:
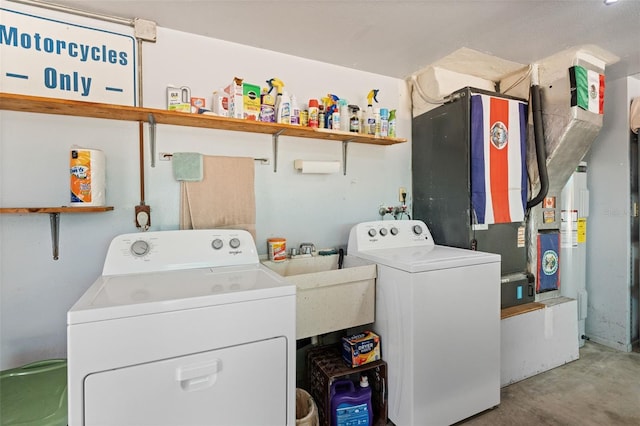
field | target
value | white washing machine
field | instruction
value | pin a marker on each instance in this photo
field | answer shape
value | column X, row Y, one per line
column 438, row 316
column 183, row 328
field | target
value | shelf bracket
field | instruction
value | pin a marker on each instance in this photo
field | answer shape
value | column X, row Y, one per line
column 274, row 140
column 54, row 218
column 345, row 145
column 152, row 139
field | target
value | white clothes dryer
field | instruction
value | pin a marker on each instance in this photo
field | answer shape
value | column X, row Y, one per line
column 183, row 328
column 438, row 316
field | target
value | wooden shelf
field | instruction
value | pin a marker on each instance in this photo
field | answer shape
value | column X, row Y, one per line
column 520, row 309
column 54, row 218
column 24, row 103
column 63, row 209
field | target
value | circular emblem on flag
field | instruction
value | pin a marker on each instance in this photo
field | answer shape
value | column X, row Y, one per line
column 499, row 135
column 593, row 91
column 549, row 262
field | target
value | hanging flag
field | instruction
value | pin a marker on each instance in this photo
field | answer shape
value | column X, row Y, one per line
column 587, row 89
column 548, row 270
column 498, row 155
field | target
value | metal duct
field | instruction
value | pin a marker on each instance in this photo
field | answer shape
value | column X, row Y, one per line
column 568, row 135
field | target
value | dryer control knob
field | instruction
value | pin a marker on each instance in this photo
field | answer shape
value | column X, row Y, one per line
column 372, row 232
column 417, row 229
column 139, row 248
column 383, row 231
column 234, row 243
column 217, row 244
column 394, row 231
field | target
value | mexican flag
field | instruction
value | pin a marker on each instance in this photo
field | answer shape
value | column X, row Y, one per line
column 587, row 89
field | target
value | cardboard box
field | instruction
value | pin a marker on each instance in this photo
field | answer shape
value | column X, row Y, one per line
column 234, row 91
column 251, row 101
column 198, row 104
column 361, row 348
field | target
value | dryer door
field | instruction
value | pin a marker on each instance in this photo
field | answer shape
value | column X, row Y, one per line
column 239, row 385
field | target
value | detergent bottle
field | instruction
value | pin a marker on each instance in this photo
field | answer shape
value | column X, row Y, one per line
column 351, row 406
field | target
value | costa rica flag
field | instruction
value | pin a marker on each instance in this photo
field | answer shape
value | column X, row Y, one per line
column 498, row 159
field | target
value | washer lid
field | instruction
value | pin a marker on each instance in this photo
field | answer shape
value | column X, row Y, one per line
column 120, row 296
column 427, row 258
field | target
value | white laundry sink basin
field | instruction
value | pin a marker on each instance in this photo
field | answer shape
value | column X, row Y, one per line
column 328, row 298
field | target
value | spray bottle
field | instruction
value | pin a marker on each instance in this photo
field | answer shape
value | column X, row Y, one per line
column 278, row 84
column 370, row 120
column 392, row 123
column 334, row 111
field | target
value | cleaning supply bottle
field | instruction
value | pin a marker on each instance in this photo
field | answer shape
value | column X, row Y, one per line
column 354, row 120
column 267, row 107
column 278, row 84
column 350, row 406
column 376, row 117
column 370, row 120
column 392, row 123
column 345, row 117
column 295, row 111
column 283, row 111
column 313, row 113
column 384, row 122
column 321, row 122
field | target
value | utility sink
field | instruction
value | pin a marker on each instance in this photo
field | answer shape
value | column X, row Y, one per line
column 328, row 298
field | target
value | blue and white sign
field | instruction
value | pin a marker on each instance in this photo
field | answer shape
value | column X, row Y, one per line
column 47, row 57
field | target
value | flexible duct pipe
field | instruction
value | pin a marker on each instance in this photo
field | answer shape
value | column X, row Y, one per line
column 541, row 152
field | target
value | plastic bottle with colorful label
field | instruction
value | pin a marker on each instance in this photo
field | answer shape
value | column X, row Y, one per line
column 313, row 113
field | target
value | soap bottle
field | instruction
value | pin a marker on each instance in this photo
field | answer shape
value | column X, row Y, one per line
column 370, row 121
column 283, row 113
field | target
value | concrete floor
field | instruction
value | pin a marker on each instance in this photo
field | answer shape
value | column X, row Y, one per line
column 601, row 388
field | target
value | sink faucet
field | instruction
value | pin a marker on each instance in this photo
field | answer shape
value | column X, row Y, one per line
column 307, row 248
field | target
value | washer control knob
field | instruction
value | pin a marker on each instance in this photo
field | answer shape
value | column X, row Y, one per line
column 394, row 230
column 383, row 231
column 234, row 243
column 417, row 229
column 140, row 248
column 217, row 244
column 372, row 232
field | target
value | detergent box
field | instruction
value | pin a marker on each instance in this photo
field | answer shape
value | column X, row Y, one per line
column 251, row 101
column 234, row 91
column 361, row 348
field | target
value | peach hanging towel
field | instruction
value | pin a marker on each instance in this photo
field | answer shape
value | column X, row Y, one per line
column 225, row 198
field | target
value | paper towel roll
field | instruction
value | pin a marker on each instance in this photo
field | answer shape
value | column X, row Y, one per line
column 88, row 177
column 306, row 166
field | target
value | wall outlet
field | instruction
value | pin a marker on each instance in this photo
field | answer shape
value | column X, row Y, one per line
column 402, row 191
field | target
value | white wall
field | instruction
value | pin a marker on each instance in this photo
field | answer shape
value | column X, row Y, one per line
column 608, row 239
column 36, row 291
